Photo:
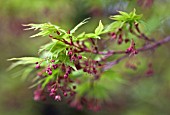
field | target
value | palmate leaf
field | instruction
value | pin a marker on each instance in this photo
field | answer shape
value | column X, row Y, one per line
column 45, row 29
column 127, row 18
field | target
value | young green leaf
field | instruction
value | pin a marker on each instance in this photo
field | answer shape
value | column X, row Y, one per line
column 91, row 35
column 47, row 80
column 79, row 25
column 124, row 14
column 27, row 60
column 37, row 83
column 99, row 29
column 118, row 18
column 127, row 18
column 80, row 36
column 23, row 61
column 53, row 46
column 113, row 26
column 45, row 29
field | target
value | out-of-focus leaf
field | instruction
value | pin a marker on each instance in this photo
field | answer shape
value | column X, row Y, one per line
column 23, row 61
column 27, row 71
column 83, row 88
column 23, row 72
column 109, row 82
column 37, row 83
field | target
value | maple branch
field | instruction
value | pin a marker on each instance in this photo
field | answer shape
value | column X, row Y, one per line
column 109, row 65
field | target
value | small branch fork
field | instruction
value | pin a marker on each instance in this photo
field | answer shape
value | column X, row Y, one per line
column 109, row 65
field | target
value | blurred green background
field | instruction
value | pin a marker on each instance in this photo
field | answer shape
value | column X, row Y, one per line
column 142, row 95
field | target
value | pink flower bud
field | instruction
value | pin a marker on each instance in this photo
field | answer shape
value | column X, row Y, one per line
column 58, row 98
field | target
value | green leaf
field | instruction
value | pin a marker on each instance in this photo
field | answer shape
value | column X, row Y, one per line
column 23, row 61
column 99, row 92
column 81, row 36
column 118, row 18
column 91, row 35
column 47, row 80
column 27, row 71
column 37, row 83
column 53, row 47
column 99, row 29
column 133, row 14
column 124, row 14
column 45, row 29
column 127, row 18
column 22, row 72
column 83, row 88
column 71, row 64
column 26, row 59
column 79, row 25
column 101, row 89
column 113, row 26
column 64, row 58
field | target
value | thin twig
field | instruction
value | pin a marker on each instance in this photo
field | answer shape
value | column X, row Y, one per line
column 109, row 65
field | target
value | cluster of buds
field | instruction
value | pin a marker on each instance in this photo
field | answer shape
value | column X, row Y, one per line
column 132, row 49
column 90, row 66
column 73, row 54
column 55, row 86
column 119, row 36
column 49, row 69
